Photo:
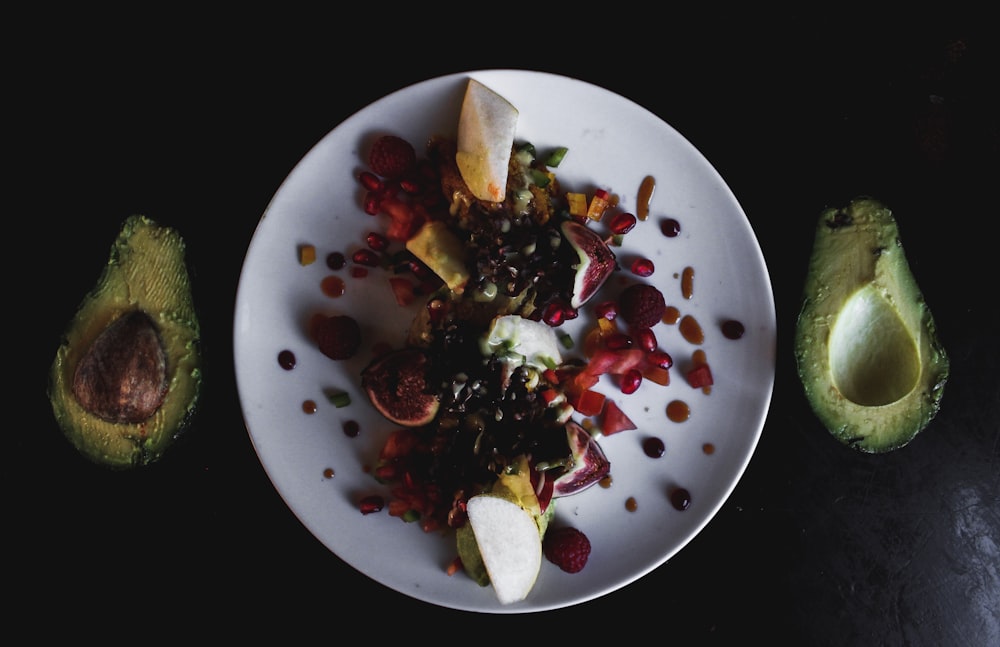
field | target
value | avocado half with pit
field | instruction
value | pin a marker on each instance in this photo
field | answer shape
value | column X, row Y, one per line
column 866, row 346
column 127, row 374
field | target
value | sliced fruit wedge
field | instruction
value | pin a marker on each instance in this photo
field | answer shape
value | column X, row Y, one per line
column 590, row 464
column 597, row 261
column 396, row 385
column 486, row 126
column 509, row 544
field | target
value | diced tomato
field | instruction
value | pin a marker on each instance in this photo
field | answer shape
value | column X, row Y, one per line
column 613, row 419
column 402, row 289
column 589, row 402
column 404, row 218
column 700, row 376
column 615, row 362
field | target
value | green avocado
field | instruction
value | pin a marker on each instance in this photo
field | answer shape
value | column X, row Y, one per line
column 866, row 346
column 127, row 375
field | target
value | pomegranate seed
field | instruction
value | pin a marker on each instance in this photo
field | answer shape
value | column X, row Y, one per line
column 377, row 241
column 631, row 380
column 618, row 341
column 642, row 267
column 607, row 310
column 365, row 257
column 373, row 200
column 553, row 314
column 622, row 223
column 570, row 312
column 661, row 358
column 372, row 503
column 646, row 339
column 411, row 187
column 370, row 181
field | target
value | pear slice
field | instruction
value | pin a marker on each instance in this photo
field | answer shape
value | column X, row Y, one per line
column 486, row 127
column 509, row 543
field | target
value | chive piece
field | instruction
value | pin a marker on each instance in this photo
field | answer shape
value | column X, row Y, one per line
column 566, row 340
column 556, row 156
column 540, row 178
column 526, row 147
column 339, row 399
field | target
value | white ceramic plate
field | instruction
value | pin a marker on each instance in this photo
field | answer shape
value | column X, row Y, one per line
column 613, row 144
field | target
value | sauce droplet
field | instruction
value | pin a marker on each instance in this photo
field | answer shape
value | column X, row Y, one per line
column 670, row 315
column 309, row 406
column 606, row 482
column 336, row 260
column 328, row 473
column 708, row 448
column 645, row 195
column 333, row 286
column 691, row 330
column 351, row 428
column 732, row 329
column 670, row 227
column 687, row 282
column 680, row 498
column 678, row 411
column 631, row 504
column 653, row 447
column 286, row 360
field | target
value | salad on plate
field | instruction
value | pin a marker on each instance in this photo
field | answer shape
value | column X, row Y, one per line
column 499, row 387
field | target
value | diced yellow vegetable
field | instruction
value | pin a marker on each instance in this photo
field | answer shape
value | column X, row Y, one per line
column 307, row 254
column 577, row 204
column 598, row 205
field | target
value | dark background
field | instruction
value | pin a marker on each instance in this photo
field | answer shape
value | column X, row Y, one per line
column 195, row 121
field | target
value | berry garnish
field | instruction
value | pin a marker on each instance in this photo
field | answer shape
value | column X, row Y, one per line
column 566, row 547
column 337, row 336
column 391, row 156
column 641, row 305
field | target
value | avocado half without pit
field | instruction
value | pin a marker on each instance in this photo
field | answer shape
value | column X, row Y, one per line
column 127, row 374
column 866, row 346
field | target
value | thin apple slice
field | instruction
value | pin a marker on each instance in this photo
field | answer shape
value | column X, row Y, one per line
column 509, row 543
column 486, row 127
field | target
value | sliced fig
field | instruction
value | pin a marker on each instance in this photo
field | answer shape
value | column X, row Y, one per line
column 597, row 261
column 396, row 385
column 590, row 464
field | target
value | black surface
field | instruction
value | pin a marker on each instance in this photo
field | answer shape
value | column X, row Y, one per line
column 197, row 123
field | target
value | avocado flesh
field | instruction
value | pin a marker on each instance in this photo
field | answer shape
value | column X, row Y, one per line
column 866, row 346
column 146, row 273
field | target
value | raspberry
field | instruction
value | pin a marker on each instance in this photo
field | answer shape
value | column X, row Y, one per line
column 391, row 156
column 338, row 336
column 567, row 547
column 641, row 305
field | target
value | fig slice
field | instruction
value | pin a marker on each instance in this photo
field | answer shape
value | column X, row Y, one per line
column 396, row 385
column 590, row 464
column 597, row 261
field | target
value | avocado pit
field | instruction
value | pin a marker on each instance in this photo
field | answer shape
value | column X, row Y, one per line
column 122, row 378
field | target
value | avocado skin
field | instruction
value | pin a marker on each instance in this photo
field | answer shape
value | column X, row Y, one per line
column 878, row 385
column 146, row 271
